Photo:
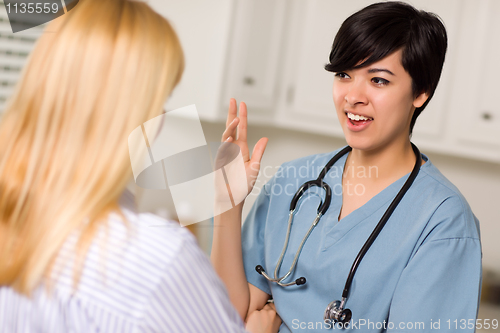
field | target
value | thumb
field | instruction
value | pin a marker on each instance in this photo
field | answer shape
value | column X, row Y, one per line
column 258, row 151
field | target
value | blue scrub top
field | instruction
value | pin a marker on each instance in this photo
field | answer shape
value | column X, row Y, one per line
column 422, row 273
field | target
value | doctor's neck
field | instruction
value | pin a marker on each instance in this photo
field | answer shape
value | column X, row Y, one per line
column 391, row 160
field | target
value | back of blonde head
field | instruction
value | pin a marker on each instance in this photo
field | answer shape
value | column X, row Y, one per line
column 97, row 73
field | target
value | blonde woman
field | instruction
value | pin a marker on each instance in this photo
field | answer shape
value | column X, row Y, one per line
column 73, row 258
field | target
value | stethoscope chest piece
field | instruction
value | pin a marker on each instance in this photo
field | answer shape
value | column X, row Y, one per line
column 335, row 313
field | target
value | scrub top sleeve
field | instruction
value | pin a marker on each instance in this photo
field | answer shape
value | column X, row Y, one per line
column 440, row 287
column 253, row 239
column 190, row 297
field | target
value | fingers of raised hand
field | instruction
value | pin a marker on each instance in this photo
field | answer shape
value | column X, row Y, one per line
column 232, row 111
column 230, row 132
column 242, row 126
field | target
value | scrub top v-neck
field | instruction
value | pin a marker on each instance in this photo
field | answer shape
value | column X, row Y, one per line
column 431, row 234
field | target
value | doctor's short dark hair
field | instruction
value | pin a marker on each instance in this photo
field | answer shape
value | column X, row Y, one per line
column 382, row 28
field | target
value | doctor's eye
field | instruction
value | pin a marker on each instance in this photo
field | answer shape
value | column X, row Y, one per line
column 342, row 75
column 380, row 81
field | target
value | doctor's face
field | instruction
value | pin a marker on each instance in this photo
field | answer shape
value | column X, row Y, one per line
column 375, row 103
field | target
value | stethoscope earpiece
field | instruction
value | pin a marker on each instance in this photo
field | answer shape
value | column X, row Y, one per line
column 298, row 282
column 336, row 313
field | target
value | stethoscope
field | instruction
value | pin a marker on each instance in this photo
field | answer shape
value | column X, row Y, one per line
column 335, row 310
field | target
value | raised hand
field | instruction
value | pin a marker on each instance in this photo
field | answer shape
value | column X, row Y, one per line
column 236, row 132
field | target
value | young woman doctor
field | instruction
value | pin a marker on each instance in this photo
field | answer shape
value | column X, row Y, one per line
column 423, row 270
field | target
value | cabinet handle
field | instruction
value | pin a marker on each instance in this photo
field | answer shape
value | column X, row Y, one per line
column 290, row 94
column 487, row 116
column 249, row 81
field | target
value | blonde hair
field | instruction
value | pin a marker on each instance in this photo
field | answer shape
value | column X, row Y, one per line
column 97, row 73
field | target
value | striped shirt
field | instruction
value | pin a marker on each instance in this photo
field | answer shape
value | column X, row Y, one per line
column 153, row 279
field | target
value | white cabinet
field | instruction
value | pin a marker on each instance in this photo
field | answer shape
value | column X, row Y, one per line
column 306, row 99
column 204, row 29
column 475, row 105
column 271, row 54
column 232, row 49
column 255, row 56
column 431, row 125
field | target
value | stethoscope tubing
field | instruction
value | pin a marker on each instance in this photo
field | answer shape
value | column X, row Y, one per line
column 297, row 254
column 383, row 221
column 322, row 208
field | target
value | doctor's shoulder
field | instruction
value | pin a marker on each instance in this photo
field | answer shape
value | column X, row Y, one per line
column 450, row 216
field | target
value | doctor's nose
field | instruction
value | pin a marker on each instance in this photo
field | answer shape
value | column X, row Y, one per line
column 355, row 95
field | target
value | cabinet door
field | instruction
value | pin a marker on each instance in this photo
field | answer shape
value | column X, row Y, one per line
column 430, row 129
column 476, row 111
column 203, row 28
column 254, row 56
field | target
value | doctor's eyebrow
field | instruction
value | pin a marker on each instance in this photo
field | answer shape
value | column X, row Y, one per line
column 376, row 70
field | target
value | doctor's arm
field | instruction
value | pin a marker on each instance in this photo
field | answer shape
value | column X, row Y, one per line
column 226, row 252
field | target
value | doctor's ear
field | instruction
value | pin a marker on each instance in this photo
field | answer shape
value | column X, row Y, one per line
column 420, row 99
